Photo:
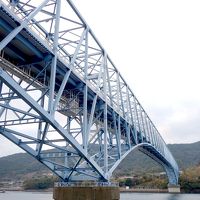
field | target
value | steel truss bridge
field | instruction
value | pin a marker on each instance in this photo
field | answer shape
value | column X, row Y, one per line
column 62, row 99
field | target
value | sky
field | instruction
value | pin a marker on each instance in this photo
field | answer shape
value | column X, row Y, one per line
column 155, row 44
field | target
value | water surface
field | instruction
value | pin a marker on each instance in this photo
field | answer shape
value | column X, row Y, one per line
column 158, row 196
column 123, row 196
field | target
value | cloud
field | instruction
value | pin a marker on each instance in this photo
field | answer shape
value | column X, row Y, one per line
column 178, row 123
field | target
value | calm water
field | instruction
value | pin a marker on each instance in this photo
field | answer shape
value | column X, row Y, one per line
column 124, row 196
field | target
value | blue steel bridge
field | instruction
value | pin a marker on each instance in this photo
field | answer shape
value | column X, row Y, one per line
column 63, row 101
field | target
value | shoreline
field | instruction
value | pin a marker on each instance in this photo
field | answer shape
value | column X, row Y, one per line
column 122, row 190
column 142, row 190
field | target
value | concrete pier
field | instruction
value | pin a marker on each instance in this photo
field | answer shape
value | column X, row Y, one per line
column 174, row 188
column 86, row 192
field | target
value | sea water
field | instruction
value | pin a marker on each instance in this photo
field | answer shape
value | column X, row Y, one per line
column 123, row 196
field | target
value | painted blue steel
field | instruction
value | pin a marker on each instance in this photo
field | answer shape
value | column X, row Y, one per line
column 60, row 84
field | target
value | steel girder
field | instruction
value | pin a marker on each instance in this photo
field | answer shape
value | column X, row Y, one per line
column 63, row 100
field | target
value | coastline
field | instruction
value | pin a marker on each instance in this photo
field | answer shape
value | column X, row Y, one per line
column 122, row 190
column 143, row 190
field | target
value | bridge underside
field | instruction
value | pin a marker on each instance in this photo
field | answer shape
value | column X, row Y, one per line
column 62, row 99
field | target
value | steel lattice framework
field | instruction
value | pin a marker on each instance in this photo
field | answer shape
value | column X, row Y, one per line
column 63, row 100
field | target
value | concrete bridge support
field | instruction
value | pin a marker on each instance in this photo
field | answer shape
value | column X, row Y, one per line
column 173, row 188
column 91, row 192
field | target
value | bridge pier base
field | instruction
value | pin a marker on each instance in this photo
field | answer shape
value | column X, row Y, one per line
column 173, row 188
column 86, row 192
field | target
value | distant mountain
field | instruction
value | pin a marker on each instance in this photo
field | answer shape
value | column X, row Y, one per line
column 186, row 155
column 22, row 165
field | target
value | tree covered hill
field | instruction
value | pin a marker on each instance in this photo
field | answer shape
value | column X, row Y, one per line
column 23, row 166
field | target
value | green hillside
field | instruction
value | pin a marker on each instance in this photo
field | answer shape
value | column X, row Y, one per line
column 23, row 166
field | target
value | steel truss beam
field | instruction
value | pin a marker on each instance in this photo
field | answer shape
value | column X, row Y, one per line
column 63, row 99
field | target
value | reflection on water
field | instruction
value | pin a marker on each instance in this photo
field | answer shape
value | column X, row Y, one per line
column 183, row 197
column 174, row 197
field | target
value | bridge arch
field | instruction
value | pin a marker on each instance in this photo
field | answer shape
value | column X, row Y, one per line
column 172, row 172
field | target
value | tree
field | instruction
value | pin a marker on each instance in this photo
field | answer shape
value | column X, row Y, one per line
column 39, row 183
column 129, row 182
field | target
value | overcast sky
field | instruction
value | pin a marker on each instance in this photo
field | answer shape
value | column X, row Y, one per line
column 155, row 44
